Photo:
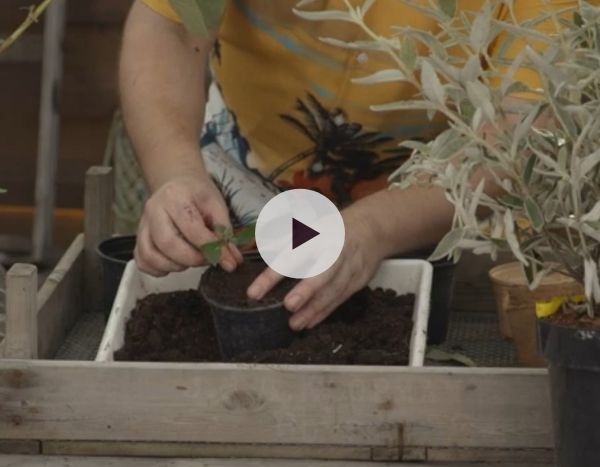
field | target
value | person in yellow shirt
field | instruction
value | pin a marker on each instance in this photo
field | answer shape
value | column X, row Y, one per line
column 283, row 106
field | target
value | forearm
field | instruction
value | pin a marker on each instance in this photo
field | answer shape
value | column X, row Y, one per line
column 161, row 78
column 405, row 220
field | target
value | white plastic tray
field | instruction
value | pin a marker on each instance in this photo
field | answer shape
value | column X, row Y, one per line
column 403, row 276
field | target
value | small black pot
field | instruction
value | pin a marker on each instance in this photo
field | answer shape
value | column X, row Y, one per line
column 573, row 357
column 442, row 291
column 248, row 329
column 115, row 252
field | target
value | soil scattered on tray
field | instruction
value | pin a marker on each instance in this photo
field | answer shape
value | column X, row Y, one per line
column 230, row 288
column 372, row 328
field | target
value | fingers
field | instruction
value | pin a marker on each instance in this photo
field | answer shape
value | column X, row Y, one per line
column 312, row 300
column 167, row 239
column 263, row 284
column 149, row 259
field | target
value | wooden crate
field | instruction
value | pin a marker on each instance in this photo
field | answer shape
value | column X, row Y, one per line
column 231, row 410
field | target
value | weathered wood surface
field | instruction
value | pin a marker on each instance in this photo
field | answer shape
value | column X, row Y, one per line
column 53, row 461
column 217, row 403
column 21, row 312
column 60, row 300
column 49, row 130
column 98, row 226
column 205, row 450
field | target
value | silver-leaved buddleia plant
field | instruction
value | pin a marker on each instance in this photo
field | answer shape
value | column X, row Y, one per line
column 544, row 156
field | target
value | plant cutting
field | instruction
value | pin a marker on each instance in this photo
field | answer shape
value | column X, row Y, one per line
column 526, row 156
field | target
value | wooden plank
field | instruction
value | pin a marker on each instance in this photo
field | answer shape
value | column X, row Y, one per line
column 98, row 225
column 204, row 450
column 21, row 312
column 532, row 456
column 49, row 129
column 60, row 300
column 220, row 403
column 50, row 461
column 19, row 446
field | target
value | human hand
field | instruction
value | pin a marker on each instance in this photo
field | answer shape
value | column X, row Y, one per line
column 178, row 219
column 313, row 299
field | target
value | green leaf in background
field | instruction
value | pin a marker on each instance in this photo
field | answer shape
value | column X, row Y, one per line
column 212, row 251
column 512, row 201
column 2, row 190
column 528, row 172
column 245, row 235
column 448, row 244
column 200, row 16
column 408, row 53
column 534, row 213
column 448, row 7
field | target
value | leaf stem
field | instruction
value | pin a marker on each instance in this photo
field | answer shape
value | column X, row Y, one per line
column 32, row 17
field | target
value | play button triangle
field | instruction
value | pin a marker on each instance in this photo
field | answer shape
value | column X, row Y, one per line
column 301, row 233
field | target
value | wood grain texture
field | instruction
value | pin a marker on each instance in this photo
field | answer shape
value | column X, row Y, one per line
column 218, row 403
column 48, row 130
column 54, row 461
column 60, row 300
column 21, row 312
column 205, row 450
column 98, row 226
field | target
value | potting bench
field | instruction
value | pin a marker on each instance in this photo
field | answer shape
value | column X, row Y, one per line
column 83, row 408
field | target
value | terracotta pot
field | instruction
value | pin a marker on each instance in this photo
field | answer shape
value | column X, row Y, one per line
column 515, row 304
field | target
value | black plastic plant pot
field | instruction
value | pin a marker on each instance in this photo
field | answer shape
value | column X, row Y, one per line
column 442, row 291
column 114, row 252
column 573, row 357
column 249, row 328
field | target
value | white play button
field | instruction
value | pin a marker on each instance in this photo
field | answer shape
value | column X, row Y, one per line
column 300, row 233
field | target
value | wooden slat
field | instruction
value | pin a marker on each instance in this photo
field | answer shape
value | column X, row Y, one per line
column 19, row 446
column 21, row 312
column 49, row 129
column 50, row 461
column 223, row 450
column 60, row 300
column 217, row 403
column 98, row 225
column 532, row 456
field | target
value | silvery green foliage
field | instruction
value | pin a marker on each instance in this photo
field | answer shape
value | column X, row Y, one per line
column 548, row 214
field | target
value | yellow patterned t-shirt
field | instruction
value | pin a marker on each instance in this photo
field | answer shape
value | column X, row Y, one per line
column 284, row 103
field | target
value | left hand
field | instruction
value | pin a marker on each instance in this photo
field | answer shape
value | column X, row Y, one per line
column 313, row 299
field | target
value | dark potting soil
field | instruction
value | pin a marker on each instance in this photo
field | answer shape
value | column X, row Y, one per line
column 230, row 288
column 371, row 328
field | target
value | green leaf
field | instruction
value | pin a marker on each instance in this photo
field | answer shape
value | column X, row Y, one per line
column 212, row 251
column 448, row 244
column 534, row 213
column 404, row 105
column 200, row 16
column 2, row 190
column 245, row 235
column 325, row 15
column 480, row 29
column 448, row 7
column 528, row 172
column 382, row 76
column 432, row 87
column 408, row 53
column 511, row 201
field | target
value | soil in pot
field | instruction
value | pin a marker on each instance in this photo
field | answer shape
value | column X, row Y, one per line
column 242, row 324
column 371, row 328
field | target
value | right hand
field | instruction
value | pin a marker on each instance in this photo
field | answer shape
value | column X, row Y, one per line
column 177, row 219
